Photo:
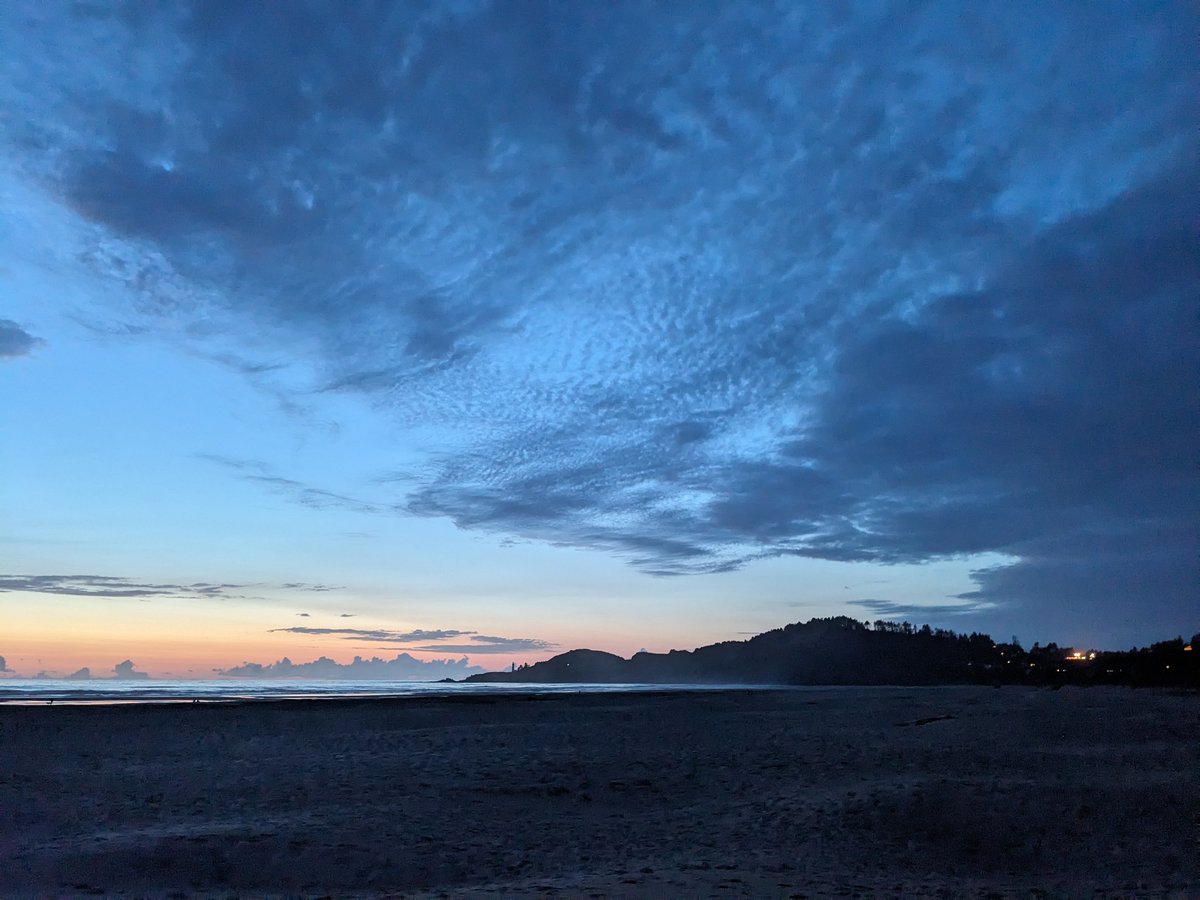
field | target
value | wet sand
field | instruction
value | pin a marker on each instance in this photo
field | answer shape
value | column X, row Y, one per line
column 818, row 791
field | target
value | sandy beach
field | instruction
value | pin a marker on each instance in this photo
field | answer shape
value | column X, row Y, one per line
column 956, row 791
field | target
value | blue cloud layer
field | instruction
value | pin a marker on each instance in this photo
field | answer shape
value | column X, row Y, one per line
column 693, row 285
column 15, row 340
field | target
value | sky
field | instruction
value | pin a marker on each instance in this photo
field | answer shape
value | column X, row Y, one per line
column 460, row 334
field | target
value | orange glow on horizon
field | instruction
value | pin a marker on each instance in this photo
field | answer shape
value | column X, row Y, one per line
column 188, row 639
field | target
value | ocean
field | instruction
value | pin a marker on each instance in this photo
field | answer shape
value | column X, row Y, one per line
column 30, row 691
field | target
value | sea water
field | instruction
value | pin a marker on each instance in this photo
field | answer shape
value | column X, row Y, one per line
column 26, row 691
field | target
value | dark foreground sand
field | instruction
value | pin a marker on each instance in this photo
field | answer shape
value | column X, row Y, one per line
column 812, row 792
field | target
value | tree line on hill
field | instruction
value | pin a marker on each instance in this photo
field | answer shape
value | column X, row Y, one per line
column 841, row 650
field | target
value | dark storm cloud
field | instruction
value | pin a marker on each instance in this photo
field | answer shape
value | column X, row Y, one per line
column 117, row 586
column 695, row 285
column 15, row 340
column 1050, row 415
column 1148, row 565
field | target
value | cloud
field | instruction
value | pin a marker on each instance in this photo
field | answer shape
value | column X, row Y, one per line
column 477, row 643
column 402, row 668
column 1044, row 416
column 126, row 671
column 15, row 341
column 296, row 491
column 488, row 644
column 922, row 612
column 377, row 634
column 112, row 586
column 119, row 586
column 4, row 665
column 1150, row 563
column 696, row 285
column 84, row 674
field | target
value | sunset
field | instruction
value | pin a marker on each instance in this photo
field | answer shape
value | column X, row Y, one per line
column 408, row 349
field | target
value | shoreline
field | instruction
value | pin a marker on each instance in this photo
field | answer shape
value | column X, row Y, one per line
column 482, row 693
column 746, row 792
column 489, row 693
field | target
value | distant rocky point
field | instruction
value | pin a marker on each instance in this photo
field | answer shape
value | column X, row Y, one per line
column 842, row 650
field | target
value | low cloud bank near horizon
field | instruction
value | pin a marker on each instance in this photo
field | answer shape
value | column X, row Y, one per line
column 403, row 668
column 127, row 671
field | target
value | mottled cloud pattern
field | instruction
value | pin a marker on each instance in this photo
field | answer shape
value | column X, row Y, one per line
column 695, row 284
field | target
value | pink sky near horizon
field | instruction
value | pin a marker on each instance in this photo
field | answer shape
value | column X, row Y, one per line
column 182, row 640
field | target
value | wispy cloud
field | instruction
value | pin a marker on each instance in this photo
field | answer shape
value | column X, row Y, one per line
column 489, row 644
column 377, row 634
column 416, row 639
column 923, row 612
column 313, row 497
column 119, row 586
column 16, row 341
column 114, row 586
